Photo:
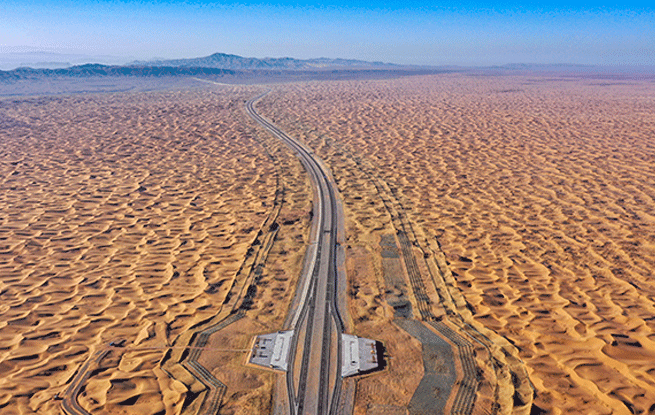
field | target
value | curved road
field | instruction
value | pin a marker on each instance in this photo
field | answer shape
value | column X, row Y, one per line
column 314, row 377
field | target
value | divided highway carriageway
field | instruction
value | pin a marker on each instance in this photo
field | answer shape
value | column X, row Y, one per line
column 313, row 349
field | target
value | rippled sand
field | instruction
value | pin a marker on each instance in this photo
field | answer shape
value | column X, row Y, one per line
column 540, row 192
column 127, row 216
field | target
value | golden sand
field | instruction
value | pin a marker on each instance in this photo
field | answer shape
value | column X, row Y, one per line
column 127, row 216
column 541, row 194
column 130, row 216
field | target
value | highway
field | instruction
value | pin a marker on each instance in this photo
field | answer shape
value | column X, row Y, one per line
column 69, row 404
column 313, row 378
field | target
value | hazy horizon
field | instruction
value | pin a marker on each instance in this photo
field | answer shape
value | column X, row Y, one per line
column 410, row 32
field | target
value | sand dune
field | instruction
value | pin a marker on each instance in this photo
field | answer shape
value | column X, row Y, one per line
column 539, row 191
column 124, row 217
column 132, row 216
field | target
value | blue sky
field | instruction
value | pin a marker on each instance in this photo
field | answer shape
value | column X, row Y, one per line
column 411, row 31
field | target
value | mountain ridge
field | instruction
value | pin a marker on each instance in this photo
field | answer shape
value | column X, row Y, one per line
column 236, row 62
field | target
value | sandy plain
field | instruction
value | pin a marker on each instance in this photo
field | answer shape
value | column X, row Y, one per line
column 131, row 217
column 134, row 215
column 538, row 190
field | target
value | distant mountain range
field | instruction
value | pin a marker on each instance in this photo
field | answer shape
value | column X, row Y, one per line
column 12, row 58
column 226, row 68
column 235, row 62
column 216, row 65
column 94, row 70
column 181, row 73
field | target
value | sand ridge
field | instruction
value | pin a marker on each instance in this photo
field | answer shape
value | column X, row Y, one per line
column 539, row 192
column 265, row 296
column 129, row 215
column 125, row 216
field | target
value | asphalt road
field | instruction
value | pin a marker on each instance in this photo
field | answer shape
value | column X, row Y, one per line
column 314, row 377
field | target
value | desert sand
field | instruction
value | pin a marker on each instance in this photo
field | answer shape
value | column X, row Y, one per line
column 142, row 217
column 539, row 191
column 128, row 217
